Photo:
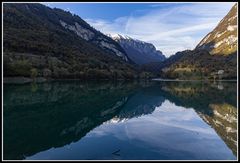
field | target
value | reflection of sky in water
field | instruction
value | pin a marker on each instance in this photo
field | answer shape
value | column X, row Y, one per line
column 170, row 132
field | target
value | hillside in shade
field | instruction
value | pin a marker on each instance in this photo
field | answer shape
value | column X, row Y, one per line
column 40, row 41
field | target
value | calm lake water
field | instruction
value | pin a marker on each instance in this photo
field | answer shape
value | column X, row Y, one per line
column 120, row 121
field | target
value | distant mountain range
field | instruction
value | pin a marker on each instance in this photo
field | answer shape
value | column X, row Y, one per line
column 139, row 52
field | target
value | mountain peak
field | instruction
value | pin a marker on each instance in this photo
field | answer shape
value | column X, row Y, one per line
column 138, row 51
column 118, row 36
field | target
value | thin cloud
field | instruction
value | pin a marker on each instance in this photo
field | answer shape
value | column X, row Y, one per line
column 170, row 29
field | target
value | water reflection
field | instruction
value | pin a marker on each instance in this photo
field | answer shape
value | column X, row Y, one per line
column 144, row 120
column 217, row 107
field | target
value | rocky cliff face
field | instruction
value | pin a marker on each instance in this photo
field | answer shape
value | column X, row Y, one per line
column 223, row 39
column 138, row 51
column 91, row 35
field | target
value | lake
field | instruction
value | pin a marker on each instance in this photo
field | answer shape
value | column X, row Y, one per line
column 140, row 120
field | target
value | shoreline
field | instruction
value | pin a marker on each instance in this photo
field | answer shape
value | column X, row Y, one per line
column 180, row 80
column 25, row 80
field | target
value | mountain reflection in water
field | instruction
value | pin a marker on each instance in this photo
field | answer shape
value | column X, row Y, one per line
column 120, row 120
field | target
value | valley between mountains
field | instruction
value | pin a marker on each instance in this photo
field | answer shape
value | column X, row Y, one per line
column 44, row 43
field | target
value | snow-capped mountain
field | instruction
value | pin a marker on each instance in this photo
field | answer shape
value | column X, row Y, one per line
column 223, row 39
column 138, row 51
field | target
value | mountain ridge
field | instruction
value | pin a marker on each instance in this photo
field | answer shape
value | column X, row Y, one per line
column 223, row 39
column 138, row 51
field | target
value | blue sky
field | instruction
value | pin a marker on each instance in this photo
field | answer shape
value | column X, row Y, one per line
column 171, row 27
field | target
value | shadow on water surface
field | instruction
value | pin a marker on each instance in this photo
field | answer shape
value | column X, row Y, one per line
column 38, row 117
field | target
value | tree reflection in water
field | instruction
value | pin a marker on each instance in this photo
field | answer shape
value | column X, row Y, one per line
column 41, row 116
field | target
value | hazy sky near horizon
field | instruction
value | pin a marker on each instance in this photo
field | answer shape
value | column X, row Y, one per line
column 170, row 27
